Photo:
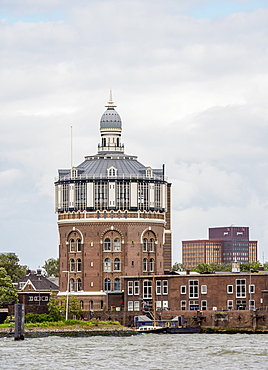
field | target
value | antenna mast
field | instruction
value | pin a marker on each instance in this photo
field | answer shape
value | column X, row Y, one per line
column 71, row 147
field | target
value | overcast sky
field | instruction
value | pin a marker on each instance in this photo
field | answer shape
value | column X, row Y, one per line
column 190, row 80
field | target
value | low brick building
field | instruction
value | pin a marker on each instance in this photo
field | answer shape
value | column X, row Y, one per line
column 182, row 292
column 34, row 291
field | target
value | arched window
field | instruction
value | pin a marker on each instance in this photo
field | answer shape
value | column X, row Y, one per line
column 107, row 265
column 78, row 242
column 151, row 245
column 144, row 248
column 79, row 284
column 72, row 265
column 107, row 244
column 71, row 285
column 81, row 305
column 151, row 264
column 72, row 245
column 144, row 264
column 117, row 245
column 79, row 265
column 117, row 264
column 117, row 284
column 107, row 284
column 91, row 305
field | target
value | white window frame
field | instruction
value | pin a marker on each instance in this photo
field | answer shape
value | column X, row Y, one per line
column 230, row 303
column 158, row 287
column 241, row 288
column 250, row 305
column 136, row 305
column 204, row 305
column 147, row 289
column 183, row 305
column 165, row 305
column 130, row 288
column 130, row 305
column 136, row 287
column 165, row 287
column 231, row 288
column 251, row 288
column 193, row 289
column 203, row 289
column 183, row 289
column 158, row 305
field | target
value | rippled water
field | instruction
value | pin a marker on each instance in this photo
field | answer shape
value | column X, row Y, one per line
column 147, row 351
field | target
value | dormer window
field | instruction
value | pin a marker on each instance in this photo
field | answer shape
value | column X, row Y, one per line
column 74, row 173
column 149, row 172
column 112, row 172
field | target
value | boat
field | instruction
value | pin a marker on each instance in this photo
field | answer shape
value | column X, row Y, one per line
column 150, row 329
column 143, row 324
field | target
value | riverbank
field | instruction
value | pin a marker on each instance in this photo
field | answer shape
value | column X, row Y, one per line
column 71, row 330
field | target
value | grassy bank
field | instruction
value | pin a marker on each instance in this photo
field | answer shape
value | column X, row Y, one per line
column 70, row 328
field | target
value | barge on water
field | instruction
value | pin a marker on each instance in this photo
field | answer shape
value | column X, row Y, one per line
column 177, row 325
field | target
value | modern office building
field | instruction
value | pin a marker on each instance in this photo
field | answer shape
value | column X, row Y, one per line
column 198, row 251
column 113, row 219
column 225, row 245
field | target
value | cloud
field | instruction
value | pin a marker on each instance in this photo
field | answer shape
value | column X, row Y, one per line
column 191, row 92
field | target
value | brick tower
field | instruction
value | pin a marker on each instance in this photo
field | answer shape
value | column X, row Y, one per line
column 113, row 219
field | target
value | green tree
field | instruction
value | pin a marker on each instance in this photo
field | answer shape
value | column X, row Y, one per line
column 51, row 267
column 73, row 307
column 7, row 291
column 202, row 268
column 10, row 262
column 250, row 266
column 177, row 267
column 54, row 308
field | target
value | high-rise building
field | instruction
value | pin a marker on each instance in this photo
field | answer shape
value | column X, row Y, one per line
column 113, row 219
column 236, row 246
column 225, row 245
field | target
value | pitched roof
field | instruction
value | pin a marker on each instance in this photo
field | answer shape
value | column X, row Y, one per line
column 38, row 282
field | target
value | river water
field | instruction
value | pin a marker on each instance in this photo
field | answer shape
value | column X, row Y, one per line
column 145, row 351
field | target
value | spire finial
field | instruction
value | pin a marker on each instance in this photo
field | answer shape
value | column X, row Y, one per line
column 110, row 103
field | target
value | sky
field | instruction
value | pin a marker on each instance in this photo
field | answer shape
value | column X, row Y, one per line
column 190, row 82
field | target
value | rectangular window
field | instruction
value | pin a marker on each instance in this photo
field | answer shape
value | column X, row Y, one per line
column 130, row 288
column 21, row 285
column 193, row 288
column 230, row 304
column 36, row 298
column 136, row 305
column 45, row 298
column 240, row 288
column 158, row 287
column 165, row 305
column 30, row 298
column 130, row 306
column 165, row 287
column 158, row 305
column 251, row 304
column 136, row 288
column 251, row 288
column 193, row 305
column 230, row 289
column 203, row 305
column 183, row 305
column 203, row 289
column 147, row 289
column 183, row 289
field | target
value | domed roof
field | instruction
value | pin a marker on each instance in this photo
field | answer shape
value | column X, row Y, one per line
column 110, row 119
